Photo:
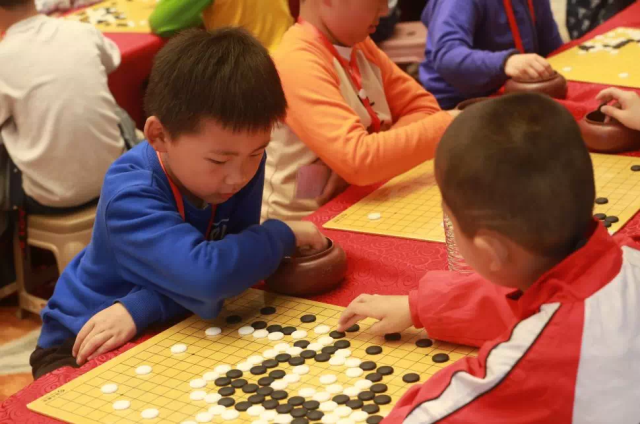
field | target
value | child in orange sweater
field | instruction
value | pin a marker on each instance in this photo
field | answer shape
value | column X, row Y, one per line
column 352, row 110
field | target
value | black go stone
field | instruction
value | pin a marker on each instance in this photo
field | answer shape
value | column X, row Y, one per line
column 283, row 357
column 279, row 395
column 411, row 378
column 600, row 216
column 635, row 168
column 374, row 419
column 265, row 391
column 355, row 404
column 268, row 310
column 243, row 406
column 296, row 401
column 270, row 363
column 298, row 412
column 371, row 408
column 302, row 344
column 342, row 344
column 439, row 358
column 274, row 328
column 366, row 395
column 234, row 373
column 353, row 328
column 239, row 383
column 392, row 337
column 296, row 360
column 311, row 405
column 250, row 388
column 329, row 350
column 256, row 399
column 259, row 325
column 222, row 381
column 270, row 404
column 315, row 415
column 287, row 331
column 308, row 318
column 611, row 219
column 300, row 421
column 374, row 350
column 277, row 374
column 374, row 377
column 337, row 334
column 382, row 400
column 606, row 224
column 341, row 399
column 284, row 409
column 227, row 391
column 257, row 370
column 602, row 201
column 308, row 354
column 265, row 381
column 323, row 357
column 385, row 370
column 368, row 365
column 234, row 319
column 424, row 343
column 227, row 402
column 379, row 388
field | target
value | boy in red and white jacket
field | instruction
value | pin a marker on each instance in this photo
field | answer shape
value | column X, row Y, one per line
column 555, row 304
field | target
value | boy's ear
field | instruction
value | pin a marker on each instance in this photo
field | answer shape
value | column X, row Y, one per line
column 494, row 248
column 156, row 134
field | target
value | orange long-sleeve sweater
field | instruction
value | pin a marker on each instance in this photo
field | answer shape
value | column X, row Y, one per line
column 327, row 120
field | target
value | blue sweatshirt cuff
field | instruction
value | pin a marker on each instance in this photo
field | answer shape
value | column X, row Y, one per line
column 144, row 306
column 283, row 233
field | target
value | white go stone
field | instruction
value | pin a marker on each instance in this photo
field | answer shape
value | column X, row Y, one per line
column 260, row 334
column 275, row 336
column 334, row 388
column 328, row 379
column 110, row 388
column 279, row 385
column 255, row 410
column 322, row 396
column 359, row 416
column 282, row 347
column 328, row 406
column 204, row 417
column 354, row 372
column 299, row 334
column 322, row 329
column 213, row 331
column 291, row 378
column 345, row 421
column 121, row 405
column 149, row 414
column 217, row 410
column 344, row 353
column 307, row 392
column 567, row 69
column 330, row 419
column 269, row 415
column 353, row 362
column 212, row 397
column 302, row 370
column 374, row 216
column 222, row 369
column 315, row 346
column 198, row 383
column 178, row 348
column 283, row 419
column 623, row 75
column 325, row 340
column 255, row 359
column 144, row 370
column 270, row 353
column 363, row 384
column 351, row 391
column 230, row 415
column 343, row 411
column 244, row 366
column 259, row 421
column 337, row 361
column 294, row 351
column 245, row 331
column 210, row 376
column 198, row 395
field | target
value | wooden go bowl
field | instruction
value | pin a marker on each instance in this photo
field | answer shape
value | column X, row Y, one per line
column 469, row 102
column 555, row 86
column 607, row 135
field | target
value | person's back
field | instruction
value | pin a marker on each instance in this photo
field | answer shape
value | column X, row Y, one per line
column 57, row 116
column 470, row 42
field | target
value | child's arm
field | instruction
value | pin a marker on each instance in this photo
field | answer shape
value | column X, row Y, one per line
column 323, row 120
column 549, row 39
column 627, row 109
column 171, row 16
column 109, row 51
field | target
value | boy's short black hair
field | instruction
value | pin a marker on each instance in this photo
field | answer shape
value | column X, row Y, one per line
column 518, row 165
column 225, row 75
column 12, row 4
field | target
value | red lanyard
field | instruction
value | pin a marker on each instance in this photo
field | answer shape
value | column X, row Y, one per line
column 352, row 70
column 508, row 7
column 180, row 203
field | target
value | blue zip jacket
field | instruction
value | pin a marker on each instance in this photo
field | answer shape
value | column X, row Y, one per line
column 145, row 256
column 469, row 42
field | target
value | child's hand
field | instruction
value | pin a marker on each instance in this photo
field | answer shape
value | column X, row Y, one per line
column 627, row 109
column 308, row 238
column 392, row 313
column 528, row 67
column 334, row 187
column 107, row 330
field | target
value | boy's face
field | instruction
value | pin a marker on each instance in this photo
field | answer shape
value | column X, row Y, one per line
column 352, row 21
column 212, row 164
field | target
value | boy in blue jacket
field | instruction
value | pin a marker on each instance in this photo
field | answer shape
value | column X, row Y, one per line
column 474, row 46
column 177, row 226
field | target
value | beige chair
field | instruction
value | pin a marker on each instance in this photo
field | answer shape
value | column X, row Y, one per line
column 407, row 44
column 64, row 235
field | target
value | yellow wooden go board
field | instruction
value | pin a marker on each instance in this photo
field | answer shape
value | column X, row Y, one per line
column 117, row 15
column 168, row 387
column 610, row 59
column 409, row 205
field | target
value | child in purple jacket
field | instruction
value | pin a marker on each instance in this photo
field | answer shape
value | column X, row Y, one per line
column 474, row 46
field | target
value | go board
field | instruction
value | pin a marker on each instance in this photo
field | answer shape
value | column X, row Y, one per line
column 610, row 59
column 343, row 375
column 409, row 206
column 117, row 15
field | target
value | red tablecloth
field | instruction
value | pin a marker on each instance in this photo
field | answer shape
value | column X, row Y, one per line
column 381, row 265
